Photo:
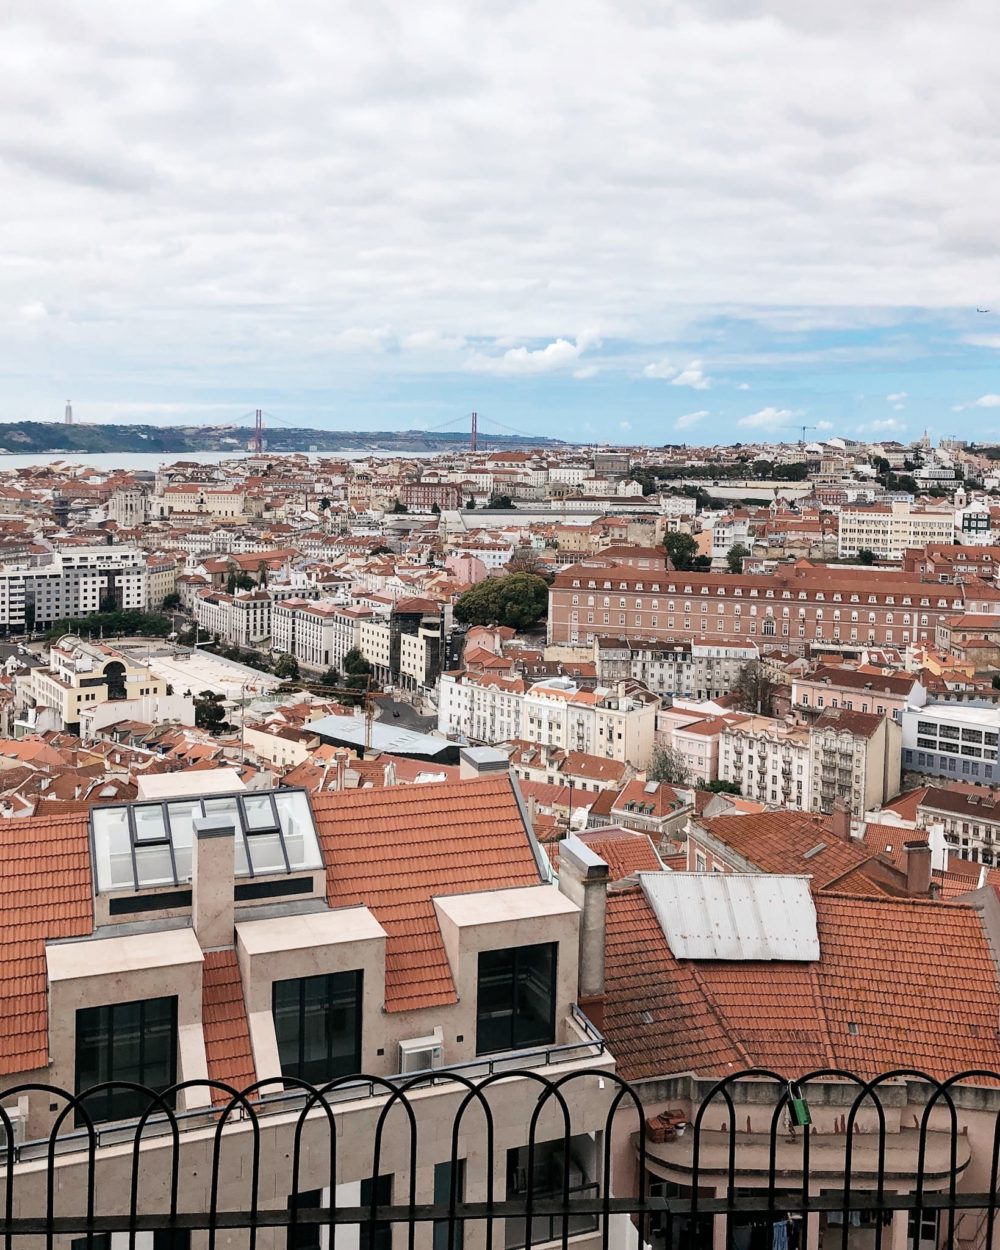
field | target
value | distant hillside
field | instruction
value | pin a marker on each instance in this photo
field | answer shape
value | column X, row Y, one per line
column 54, row 436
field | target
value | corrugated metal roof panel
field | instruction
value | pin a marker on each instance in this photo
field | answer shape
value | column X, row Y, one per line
column 740, row 916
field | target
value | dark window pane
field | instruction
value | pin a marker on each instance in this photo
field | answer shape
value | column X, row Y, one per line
column 317, row 1023
column 167, row 1239
column 305, row 1236
column 442, row 1193
column 516, row 998
column 377, row 1236
column 125, row 1042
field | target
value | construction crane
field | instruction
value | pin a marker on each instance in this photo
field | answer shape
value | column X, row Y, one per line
column 802, row 431
column 370, row 698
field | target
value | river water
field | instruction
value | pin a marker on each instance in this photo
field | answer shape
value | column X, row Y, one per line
column 152, row 460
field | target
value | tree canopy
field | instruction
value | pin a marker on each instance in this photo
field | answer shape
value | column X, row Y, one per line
column 518, row 600
column 666, row 764
column 682, row 551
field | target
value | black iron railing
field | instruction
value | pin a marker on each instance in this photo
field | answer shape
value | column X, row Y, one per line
column 754, row 1160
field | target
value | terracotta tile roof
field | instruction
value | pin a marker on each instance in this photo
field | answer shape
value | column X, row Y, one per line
column 224, row 1018
column 45, row 892
column 395, row 850
column 623, row 850
column 899, row 982
column 782, row 842
column 905, row 805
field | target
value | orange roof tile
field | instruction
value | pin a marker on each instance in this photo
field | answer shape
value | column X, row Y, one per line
column 623, row 850
column 899, row 982
column 224, row 1018
column 394, row 850
column 45, row 892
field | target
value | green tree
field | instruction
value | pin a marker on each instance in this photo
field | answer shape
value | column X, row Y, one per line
column 172, row 601
column 681, row 550
column 470, row 504
column 287, row 667
column 722, row 787
column 380, row 550
column 238, row 580
column 330, row 678
column 753, row 690
column 527, row 560
column 865, row 556
column 324, row 504
column 209, row 712
column 500, row 501
column 355, row 664
column 518, row 600
column 666, row 764
column 399, row 507
column 735, row 557
column 436, row 509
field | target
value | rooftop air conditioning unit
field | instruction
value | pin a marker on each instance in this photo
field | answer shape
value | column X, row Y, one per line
column 18, row 1114
column 421, row 1054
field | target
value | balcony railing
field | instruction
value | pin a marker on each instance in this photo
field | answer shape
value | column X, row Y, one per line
column 898, row 1160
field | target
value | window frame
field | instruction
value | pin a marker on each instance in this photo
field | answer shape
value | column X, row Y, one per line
column 518, row 980
column 301, row 1068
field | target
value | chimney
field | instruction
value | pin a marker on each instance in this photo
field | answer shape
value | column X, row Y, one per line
column 918, row 869
column 583, row 878
column 213, row 869
column 841, row 821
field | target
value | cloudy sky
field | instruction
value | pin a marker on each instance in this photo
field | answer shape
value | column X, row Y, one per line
column 634, row 220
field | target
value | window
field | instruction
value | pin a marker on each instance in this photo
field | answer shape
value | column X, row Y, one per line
column 317, row 1022
column 377, row 1190
column 442, row 1193
column 125, row 1042
column 515, row 1005
column 305, row 1236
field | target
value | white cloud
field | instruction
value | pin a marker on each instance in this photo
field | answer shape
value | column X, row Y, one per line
column 223, row 237
column 898, row 397
column 824, row 425
column 518, row 361
column 589, row 371
column 888, row 423
column 660, row 369
column 982, row 340
column 35, row 310
column 431, row 341
column 743, row 386
column 689, row 419
column 766, row 418
column 692, row 376
column 984, row 401
column 625, row 425
column 358, row 340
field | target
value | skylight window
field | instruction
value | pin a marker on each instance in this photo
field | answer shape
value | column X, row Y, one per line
column 143, row 845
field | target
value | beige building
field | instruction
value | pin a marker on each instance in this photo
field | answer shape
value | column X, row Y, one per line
column 887, row 530
column 616, row 723
column 274, row 936
column 84, row 674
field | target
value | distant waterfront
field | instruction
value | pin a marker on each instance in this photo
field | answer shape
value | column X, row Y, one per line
column 152, row 460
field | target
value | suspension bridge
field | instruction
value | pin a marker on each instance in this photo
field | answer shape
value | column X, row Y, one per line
column 259, row 420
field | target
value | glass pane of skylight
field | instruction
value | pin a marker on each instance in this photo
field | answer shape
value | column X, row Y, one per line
column 259, row 812
column 153, row 866
column 265, row 852
column 112, row 848
column 149, row 823
column 180, row 816
column 295, row 817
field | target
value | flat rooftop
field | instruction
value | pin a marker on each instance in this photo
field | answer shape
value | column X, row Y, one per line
column 386, row 739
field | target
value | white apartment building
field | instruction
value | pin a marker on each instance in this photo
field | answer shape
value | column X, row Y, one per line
column 318, row 634
column 243, row 619
column 74, row 582
column 845, row 755
column 699, row 670
column 768, row 760
column 729, row 528
column 888, row 530
column 615, row 723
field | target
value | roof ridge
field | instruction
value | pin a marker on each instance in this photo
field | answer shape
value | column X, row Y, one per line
column 821, row 1012
column 717, row 1013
